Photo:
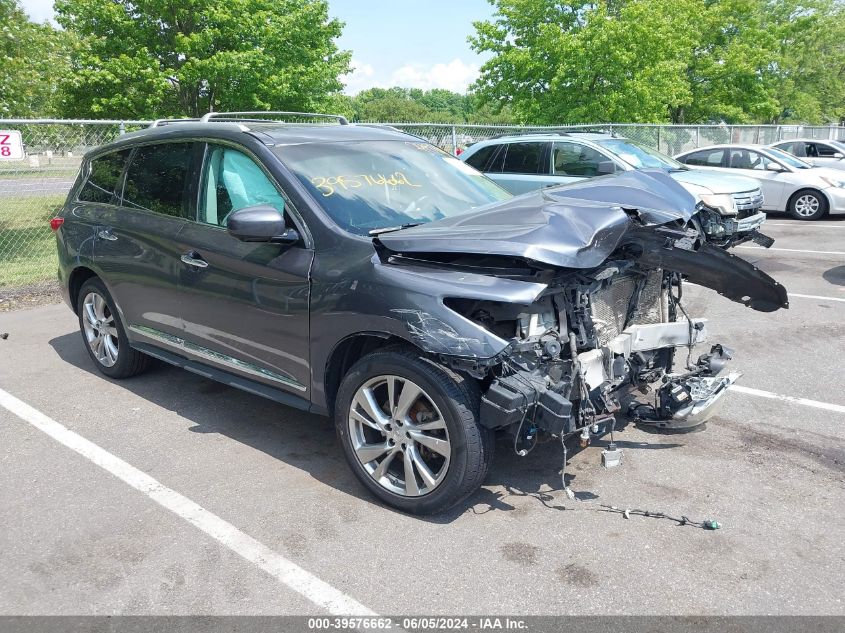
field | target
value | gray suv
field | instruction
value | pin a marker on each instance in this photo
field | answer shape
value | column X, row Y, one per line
column 532, row 161
column 363, row 274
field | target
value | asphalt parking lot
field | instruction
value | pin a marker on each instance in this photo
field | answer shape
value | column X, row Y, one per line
column 76, row 539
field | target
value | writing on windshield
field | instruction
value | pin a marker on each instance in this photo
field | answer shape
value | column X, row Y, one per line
column 370, row 185
column 327, row 185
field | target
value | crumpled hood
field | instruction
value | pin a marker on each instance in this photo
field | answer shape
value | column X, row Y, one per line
column 571, row 226
column 716, row 182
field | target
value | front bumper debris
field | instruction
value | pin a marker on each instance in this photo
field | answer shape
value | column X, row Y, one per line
column 751, row 223
column 534, row 399
column 706, row 399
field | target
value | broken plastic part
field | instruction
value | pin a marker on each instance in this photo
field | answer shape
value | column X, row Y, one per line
column 611, row 457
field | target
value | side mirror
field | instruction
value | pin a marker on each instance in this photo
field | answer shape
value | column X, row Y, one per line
column 261, row 223
column 773, row 167
column 839, row 155
column 605, row 168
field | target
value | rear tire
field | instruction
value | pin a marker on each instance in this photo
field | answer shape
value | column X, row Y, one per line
column 104, row 335
column 807, row 204
column 420, row 450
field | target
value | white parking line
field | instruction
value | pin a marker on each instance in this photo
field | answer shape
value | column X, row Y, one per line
column 304, row 583
column 792, row 294
column 808, row 225
column 791, row 250
column 838, row 408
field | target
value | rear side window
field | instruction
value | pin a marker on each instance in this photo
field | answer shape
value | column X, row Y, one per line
column 157, row 179
column 103, row 178
column 480, row 159
column 796, row 148
column 823, row 151
column 707, row 158
column 524, row 158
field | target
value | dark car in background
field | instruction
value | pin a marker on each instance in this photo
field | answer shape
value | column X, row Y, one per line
column 363, row 274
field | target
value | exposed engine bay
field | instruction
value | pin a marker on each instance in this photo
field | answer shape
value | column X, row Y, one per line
column 595, row 344
column 606, row 329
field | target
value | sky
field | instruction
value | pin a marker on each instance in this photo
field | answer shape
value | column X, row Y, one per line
column 409, row 43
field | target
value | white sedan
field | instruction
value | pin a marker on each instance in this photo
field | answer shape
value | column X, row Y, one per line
column 788, row 183
column 820, row 153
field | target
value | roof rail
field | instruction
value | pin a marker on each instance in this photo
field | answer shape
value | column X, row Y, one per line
column 561, row 133
column 160, row 122
column 594, row 130
column 238, row 116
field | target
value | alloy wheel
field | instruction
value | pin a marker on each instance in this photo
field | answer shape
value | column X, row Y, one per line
column 399, row 436
column 807, row 205
column 100, row 330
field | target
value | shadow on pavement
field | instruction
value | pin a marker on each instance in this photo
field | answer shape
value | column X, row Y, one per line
column 308, row 442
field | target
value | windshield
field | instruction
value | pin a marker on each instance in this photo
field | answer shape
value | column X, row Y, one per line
column 640, row 156
column 789, row 159
column 839, row 145
column 370, row 185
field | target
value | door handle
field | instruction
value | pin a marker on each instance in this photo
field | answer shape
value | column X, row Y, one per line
column 106, row 234
column 192, row 259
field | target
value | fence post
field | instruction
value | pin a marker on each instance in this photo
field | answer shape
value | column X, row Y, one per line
column 122, row 128
column 698, row 136
column 454, row 141
column 659, row 127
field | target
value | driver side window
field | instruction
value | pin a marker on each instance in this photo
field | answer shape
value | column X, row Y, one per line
column 233, row 181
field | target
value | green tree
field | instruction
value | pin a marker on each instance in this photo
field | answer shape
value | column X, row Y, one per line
column 32, row 63
column 811, row 84
column 732, row 66
column 688, row 61
column 161, row 58
column 410, row 104
column 576, row 62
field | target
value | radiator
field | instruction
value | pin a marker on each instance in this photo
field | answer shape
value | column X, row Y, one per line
column 610, row 305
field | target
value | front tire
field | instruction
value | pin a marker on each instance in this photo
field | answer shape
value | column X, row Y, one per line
column 409, row 430
column 807, row 204
column 104, row 335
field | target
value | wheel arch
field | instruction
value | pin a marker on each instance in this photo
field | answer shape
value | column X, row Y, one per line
column 348, row 351
column 76, row 279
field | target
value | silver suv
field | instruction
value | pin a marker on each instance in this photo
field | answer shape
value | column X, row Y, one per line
column 527, row 162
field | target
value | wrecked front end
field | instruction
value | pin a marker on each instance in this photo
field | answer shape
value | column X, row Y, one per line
column 606, row 329
column 596, row 343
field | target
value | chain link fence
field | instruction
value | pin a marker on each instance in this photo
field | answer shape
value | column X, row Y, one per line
column 35, row 185
column 669, row 139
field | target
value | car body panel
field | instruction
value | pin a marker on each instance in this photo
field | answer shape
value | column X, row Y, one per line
column 716, row 183
column 568, row 232
column 140, row 261
column 250, row 303
column 565, row 227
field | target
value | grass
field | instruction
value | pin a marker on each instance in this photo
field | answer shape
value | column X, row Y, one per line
column 39, row 174
column 27, row 245
column 60, row 166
